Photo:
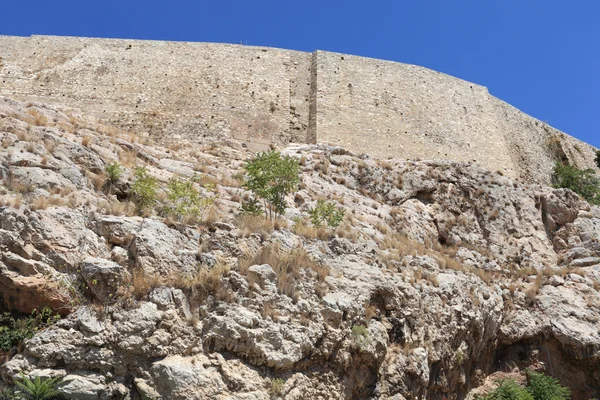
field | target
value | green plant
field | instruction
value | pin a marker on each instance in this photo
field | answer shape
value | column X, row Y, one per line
column 598, row 158
column 277, row 386
column 7, row 394
column 113, row 171
column 583, row 182
column 144, row 189
column 326, row 212
column 251, row 207
column 13, row 331
column 360, row 335
column 271, row 176
column 36, row 388
column 508, row 390
column 185, row 200
column 544, row 387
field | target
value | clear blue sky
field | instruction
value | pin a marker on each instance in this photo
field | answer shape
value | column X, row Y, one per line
column 542, row 56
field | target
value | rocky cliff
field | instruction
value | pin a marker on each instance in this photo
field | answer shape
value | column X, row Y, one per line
column 442, row 277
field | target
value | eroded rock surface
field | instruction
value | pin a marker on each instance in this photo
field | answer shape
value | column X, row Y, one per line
column 442, row 276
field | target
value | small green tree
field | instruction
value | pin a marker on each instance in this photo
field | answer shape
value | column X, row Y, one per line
column 37, row 388
column 543, row 387
column 185, row 200
column 326, row 212
column 598, row 158
column 583, row 182
column 113, row 171
column 508, row 390
column 271, row 176
column 144, row 189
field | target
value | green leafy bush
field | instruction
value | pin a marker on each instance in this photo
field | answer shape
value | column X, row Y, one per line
column 539, row 387
column 144, row 189
column 583, row 182
column 114, row 171
column 598, row 158
column 508, row 390
column 326, row 212
column 37, row 388
column 184, row 200
column 13, row 331
column 271, row 176
column 544, row 387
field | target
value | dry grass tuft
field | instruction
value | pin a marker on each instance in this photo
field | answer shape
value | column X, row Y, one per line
column 128, row 158
column 86, row 140
column 251, row 224
column 288, row 265
column 41, row 203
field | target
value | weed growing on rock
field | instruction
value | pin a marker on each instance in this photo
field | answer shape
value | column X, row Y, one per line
column 184, row 200
column 144, row 189
column 276, row 388
column 13, row 331
column 360, row 335
column 37, row 388
column 598, row 158
column 326, row 212
column 114, row 171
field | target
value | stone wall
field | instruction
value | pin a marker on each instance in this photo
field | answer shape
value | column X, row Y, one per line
column 387, row 108
column 169, row 89
column 207, row 91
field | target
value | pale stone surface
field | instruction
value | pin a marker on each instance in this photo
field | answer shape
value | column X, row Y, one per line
column 442, row 276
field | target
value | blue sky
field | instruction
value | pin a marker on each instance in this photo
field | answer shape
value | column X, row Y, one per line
column 542, row 56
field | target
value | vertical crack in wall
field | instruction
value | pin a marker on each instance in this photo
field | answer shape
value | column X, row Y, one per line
column 312, row 107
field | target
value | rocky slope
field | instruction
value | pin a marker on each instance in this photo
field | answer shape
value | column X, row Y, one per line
column 442, row 277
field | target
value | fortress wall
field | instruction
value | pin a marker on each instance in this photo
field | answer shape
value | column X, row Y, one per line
column 169, row 89
column 208, row 91
column 392, row 109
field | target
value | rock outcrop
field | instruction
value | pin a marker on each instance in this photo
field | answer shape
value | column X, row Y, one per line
column 442, row 275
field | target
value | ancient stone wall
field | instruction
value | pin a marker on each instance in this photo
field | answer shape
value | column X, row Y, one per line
column 169, row 89
column 387, row 108
column 207, row 91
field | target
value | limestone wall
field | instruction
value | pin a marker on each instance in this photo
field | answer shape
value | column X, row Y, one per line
column 170, row 89
column 393, row 109
column 206, row 91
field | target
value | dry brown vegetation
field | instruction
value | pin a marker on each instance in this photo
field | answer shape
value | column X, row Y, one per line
column 288, row 265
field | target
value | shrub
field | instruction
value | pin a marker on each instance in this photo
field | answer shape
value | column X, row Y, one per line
column 14, row 331
column 277, row 386
column 251, row 207
column 326, row 212
column 539, row 387
column 583, row 182
column 598, row 158
column 7, row 394
column 144, row 189
column 114, row 171
column 360, row 335
column 544, row 387
column 508, row 390
column 271, row 177
column 36, row 388
column 185, row 200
